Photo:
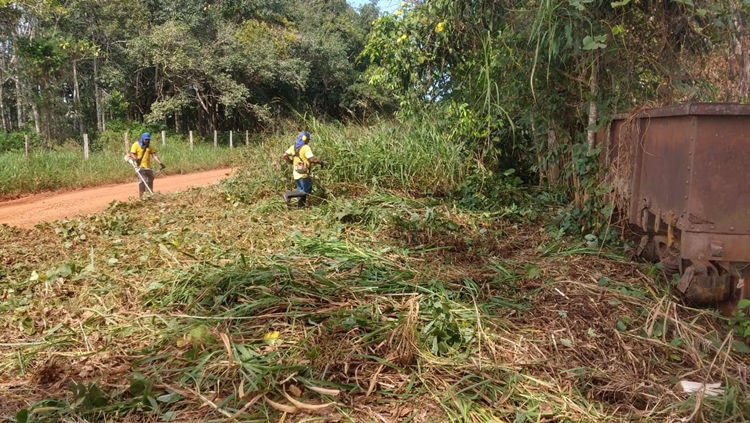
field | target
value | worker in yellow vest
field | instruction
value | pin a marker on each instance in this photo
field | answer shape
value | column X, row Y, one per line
column 301, row 157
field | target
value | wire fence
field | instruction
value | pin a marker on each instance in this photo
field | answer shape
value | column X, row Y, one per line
column 127, row 142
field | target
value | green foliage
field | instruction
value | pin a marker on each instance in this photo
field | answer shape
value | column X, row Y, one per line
column 414, row 157
column 482, row 189
column 91, row 403
column 519, row 77
column 45, row 55
column 117, row 105
column 590, row 218
column 88, row 402
column 740, row 320
column 12, row 141
column 443, row 332
column 204, row 65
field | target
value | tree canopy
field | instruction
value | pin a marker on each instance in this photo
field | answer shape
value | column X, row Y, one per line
column 235, row 64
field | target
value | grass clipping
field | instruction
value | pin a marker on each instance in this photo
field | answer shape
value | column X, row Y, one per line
column 398, row 312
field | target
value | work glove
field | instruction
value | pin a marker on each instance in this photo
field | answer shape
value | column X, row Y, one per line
column 138, row 162
column 322, row 164
column 162, row 166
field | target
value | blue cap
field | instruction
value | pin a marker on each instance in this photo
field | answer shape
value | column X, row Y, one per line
column 144, row 136
column 302, row 139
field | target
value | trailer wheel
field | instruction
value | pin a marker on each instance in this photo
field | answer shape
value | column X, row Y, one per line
column 656, row 250
column 703, row 284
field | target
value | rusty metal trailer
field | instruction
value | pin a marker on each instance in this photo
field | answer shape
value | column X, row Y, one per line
column 683, row 175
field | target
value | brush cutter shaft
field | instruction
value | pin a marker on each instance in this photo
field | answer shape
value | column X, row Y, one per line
column 143, row 180
column 138, row 172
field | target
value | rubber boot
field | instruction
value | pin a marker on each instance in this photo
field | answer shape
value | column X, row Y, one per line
column 287, row 196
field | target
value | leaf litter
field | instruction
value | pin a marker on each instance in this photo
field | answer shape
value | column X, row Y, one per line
column 378, row 307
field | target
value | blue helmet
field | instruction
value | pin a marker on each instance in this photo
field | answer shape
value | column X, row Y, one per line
column 145, row 139
column 302, row 139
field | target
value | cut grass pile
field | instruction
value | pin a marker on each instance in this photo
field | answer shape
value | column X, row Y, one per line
column 374, row 307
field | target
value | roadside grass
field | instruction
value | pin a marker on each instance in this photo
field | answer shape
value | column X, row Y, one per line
column 376, row 304
column 66, row 167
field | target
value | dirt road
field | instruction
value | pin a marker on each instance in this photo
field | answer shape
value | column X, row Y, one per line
column 27, row 211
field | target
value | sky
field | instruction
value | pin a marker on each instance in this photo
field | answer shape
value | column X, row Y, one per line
column 383, row 5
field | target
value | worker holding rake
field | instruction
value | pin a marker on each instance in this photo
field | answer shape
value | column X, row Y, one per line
column 300, row 156
column 140, row 156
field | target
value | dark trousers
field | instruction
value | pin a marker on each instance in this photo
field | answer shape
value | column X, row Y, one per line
column 304, row 185
column 148, row 176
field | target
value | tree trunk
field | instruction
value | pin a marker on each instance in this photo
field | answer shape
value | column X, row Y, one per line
column 3, row 79
column 35, row 112
column 553, row 169
column 98, row 98
column 2, row 109
column 593, row 111
column 48, row 127
column 539, row 161
column 76, row 99
column 19, row 103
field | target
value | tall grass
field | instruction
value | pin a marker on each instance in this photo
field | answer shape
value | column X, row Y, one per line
column 66, row 167
column 410, row 158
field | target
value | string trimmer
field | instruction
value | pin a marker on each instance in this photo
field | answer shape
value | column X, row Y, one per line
column 138, row 172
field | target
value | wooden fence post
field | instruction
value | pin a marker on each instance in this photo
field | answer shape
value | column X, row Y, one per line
column 191, row 140
column 86, row 146
column 163, row 138
column 215, row 139
column 26, row 144
column 247, row 138
column 231, row 145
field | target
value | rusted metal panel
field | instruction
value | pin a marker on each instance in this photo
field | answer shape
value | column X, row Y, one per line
column 664, row 155
column 607, row 138
column 720, row 184
column 691, row 166
column 615, row 161
column 636, row 201
column 717, row 247
column 698, row 109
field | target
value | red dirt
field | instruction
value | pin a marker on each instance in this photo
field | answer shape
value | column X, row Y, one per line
column 27, row 211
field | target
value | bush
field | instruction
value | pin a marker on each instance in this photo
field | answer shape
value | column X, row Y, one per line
column 12, row 141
